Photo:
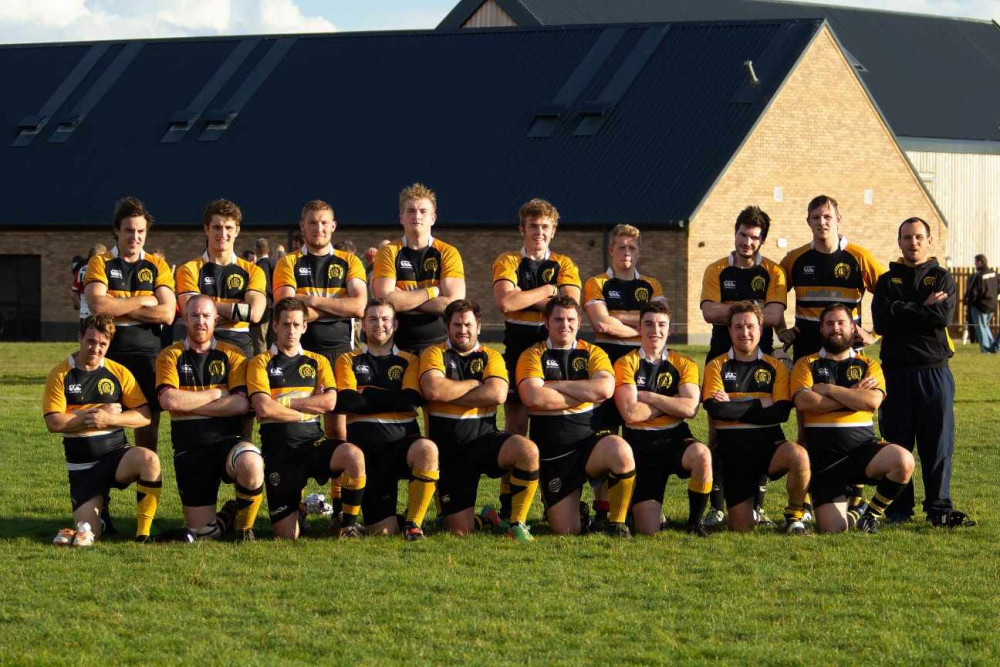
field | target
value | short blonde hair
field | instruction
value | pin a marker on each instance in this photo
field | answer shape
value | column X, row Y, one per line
column 101, row 323
column 624, row 230
column 315, row 205
column 415, row 192
column 539, row 208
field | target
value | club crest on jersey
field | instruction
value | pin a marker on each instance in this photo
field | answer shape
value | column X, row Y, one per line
column 664, row 381
column 579, row 364
column 235, row 282
column 216, row 368
column 841, row 271
column 548, row 275
column 854, row 373
column 145, row 275
column 896, row 281
column 396, row 372
column 431, row 264
column 334, row 272
column 762, row 376
column 306, row 371
column 105, row 387
column 641, row 294
column 476, row 366
column 758, row 284
column 929, row 280
column 116, row 273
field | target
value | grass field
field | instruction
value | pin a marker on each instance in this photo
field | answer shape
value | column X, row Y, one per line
column 910, row 595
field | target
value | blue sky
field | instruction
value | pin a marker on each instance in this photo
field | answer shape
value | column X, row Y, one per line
column 67, row 20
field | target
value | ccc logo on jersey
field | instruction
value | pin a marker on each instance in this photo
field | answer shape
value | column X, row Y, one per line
column 762, row 376
column 431, row 265
column 216, row 368
column 145, row 275
column 855, row 373
column 395, row 372
column 548, row 275
column 307, row 372
column 476, row 366
column 842, row 271
column 664, row 381
column 335, row 272
column 929, row 280
column 235, row 282
column 579, row 364
column 641, row 294
column 758, row 284
column 106, row 387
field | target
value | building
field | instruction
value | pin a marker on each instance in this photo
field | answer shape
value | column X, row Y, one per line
column 936, row 79
column 671, row 127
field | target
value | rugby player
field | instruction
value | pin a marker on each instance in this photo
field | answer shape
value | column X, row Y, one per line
column 137, row 289
column 914, row 304
column 464, row 383
column 837, row 390
column 746, row 392
column 202, row 384
column 418, row 274
column 743, row 275
column 289, row 389
column 656, row 389
column 378, row 388
column 235, row 285
column 91, row 400
column 560, row 380
column 79, row 278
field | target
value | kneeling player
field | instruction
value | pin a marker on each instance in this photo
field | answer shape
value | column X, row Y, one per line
column 837, row 390
column 560, row 380
column 91, row 401
column 202, row 383
column 656, row 390
column 464, row 383
column 378, row 387
column 290, row 389
column 746, row 392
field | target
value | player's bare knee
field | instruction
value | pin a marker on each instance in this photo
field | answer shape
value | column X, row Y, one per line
column 149, row 464
column 424, row 455
column 699, row 458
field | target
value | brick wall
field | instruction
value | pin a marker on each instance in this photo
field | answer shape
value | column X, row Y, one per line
column 821, row 135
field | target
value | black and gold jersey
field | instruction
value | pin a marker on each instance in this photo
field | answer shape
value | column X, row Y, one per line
column 223, row 366
column 71, row 389
column 617, row 294
column 726, row 283
column 853, row 427
column 298, row 376
column 413, row 270
column 744, row 381
column 327, row 276
column 124, row 280
column 226, row 283
column 449, row 424
column 663, row 376
column 527, row 274
column 377, row 394
column 557, row 431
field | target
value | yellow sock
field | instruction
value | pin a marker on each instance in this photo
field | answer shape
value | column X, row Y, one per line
column 147, row 496
column 352, row 490
column 620, row 489
column 523, row 484
column 247, row 506
column 420, row 493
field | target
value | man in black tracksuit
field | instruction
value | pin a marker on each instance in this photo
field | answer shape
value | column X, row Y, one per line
column 913, row 305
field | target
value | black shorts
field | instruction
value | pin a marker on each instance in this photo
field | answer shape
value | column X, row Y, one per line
column 97, row 479
column 200, row 469
column 658, row 455
column 384, row 468
column 462, row 466
column 143, row 367
column 331, row 353
column 745, row 455
column 807, row 340
column 516, row 339
column 240, row 339
column 287, row 471
column 559, row 477
column 834, row 471
column 615, row 351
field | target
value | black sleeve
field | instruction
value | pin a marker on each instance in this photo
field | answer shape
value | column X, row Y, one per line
column 730, row 411
column 393, row 401
column 881, row 307
column 776, row 414
column 350, row 401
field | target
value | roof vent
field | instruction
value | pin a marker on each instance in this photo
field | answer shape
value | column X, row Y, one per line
column 754, row 81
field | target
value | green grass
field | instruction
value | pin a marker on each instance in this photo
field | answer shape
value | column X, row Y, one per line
column 910, row 595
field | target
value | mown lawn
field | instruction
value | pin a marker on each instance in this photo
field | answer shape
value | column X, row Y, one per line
column 912, row 594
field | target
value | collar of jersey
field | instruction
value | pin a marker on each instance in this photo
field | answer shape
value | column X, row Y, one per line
column 232, row 258
column 72, row 362
column 114, row 253
column 548, row 253
column 402, row 242
column 757, row 259
column 548, row 344
column 393, row 351
column 663, row 355
column 328, row 250
column 187, row 344
column 276, row 351
column 852, row 351
column 760, row 353
column 841, row 243
column 610, row 273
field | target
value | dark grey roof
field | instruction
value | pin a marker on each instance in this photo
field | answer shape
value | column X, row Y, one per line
column 352, row 118
column 931, row 76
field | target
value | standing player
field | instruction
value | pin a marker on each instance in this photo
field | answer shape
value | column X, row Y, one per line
column 91, row 401
column 290, row 388
column 837, row 390
column 656, row 390
column 464, row 383
column 418, row 274
column 202, row 384
column 378, row 388
column 913, row 306
column 79, row 280
column 235, row 285
column 746, row 392
column 743, row 275
column 560, row 380
column 137, row 289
